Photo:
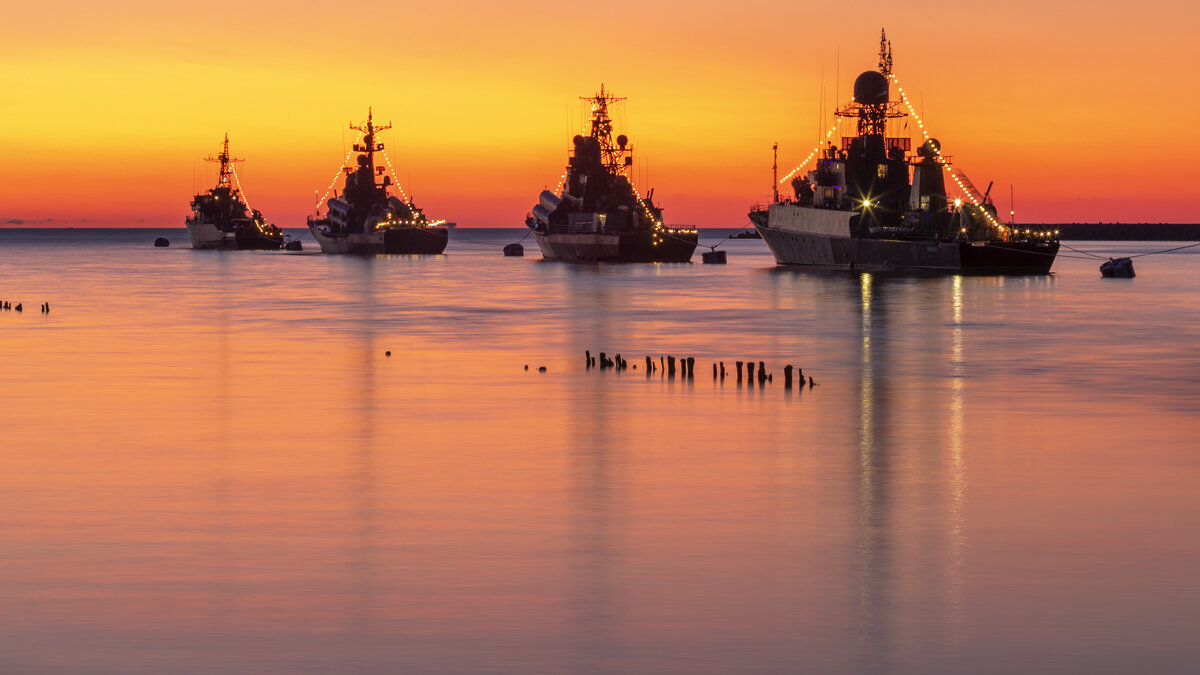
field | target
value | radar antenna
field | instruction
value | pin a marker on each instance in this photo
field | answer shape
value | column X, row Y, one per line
column 615, row 157
column 369, row 145
column 885, row 54
column 226, row 164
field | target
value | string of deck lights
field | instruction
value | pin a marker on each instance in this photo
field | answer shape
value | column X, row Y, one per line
column 345, row 163
column 937, row 151
column 660, row 230
column 414, row 222
column 399, row 187
column 238, row 184
column 820, row 146
column 562, row 180
column 258, row 222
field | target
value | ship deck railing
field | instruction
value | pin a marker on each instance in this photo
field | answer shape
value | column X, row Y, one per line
column 587, row 229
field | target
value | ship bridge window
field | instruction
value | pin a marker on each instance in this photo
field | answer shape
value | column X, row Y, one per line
column 882, row 170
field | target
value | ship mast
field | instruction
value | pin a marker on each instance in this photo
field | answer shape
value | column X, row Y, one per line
column 874, row 110
column 369, row 144
column 611, row 155
column 227, row 162
column 885, row 54
column 775, row 173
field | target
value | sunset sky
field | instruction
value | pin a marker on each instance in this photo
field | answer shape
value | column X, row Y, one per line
column 1086, row 109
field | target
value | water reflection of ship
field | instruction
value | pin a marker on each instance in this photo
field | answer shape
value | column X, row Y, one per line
column 874, row 499
column 858, row 208
column 598, row 215
column 883, row 460
column 596, row 472
column 365, row 218
column 222, row 219
column 363, row 550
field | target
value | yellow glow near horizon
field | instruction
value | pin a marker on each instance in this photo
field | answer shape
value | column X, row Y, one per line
column 112, row 108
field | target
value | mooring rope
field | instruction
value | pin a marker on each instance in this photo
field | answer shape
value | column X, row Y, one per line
column 1137, row 255
column 1090, row 255
column 1177, row 248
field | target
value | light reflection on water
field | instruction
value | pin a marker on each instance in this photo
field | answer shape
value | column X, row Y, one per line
column 210, row 466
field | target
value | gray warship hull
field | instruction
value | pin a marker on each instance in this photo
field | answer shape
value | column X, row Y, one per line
column 615, row 247
column 813, row 237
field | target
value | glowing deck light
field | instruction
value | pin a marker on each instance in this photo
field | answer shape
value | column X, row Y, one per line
column 815, row 150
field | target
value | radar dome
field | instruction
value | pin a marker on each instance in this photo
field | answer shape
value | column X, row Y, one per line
column 871, row 88
column 622, row 140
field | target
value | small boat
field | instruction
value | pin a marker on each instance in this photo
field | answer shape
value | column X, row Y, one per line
column 222, row 219
column 1121, row 268
column 365, row 218
column 746, row 234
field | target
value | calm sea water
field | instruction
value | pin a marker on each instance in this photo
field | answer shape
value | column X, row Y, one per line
column 209, row 465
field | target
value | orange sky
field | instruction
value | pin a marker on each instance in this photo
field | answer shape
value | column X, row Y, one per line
column 107, row 110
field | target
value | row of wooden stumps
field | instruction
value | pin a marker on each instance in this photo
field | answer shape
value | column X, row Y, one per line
column 7, row 304
column 687, row 369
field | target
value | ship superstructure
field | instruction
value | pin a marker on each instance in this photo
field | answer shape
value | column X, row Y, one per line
column 365, row 218
column 222, row 219
column 872, row 203
column 598, row 216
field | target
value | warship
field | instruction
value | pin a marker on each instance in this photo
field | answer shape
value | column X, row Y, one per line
column 365, row 218
column 870, row 203
column 220, row 217
column 598, row 216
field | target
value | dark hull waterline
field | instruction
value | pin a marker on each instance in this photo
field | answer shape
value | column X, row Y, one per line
column 629, row 247
column 893, row 255
column 399, row 241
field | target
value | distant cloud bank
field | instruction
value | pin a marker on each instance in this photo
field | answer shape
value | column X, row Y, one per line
column 23, row 221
